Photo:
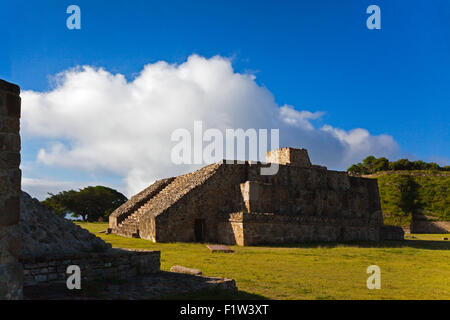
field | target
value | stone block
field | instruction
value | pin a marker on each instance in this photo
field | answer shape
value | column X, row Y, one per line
column 40, row 278
column 9, row 142
column 219, row 248
column 185, row 270
column 9, row 160
column 9, row 244
column 289, row 156
column 11, row 272
column 10, row 212
column 52, row 277
column 10, row 125
column 15, row 177
column 13, row 105
column 11, row 279
column 391, row 233
column 9, row 87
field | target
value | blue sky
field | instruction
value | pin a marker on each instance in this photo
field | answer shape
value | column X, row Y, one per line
column 313, row 55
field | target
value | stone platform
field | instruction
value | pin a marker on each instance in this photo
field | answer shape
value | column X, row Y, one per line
column 115, row 264
column 219, row 248
column 154, row 286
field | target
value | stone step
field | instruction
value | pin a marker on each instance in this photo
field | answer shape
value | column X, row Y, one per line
column 136, row 215
column 130, row 231
column 129, row 228
column 129, row 223
column 172, row 192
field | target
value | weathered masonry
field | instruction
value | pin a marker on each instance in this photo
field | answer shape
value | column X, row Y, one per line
column 112, row 265
column 235, row 204
column 24, row 264
column 11, row 272
column 51, row 243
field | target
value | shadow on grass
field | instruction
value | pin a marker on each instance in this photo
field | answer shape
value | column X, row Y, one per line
column 214, row 295
column 418, row 244
column 59, row 291
column 95, row 291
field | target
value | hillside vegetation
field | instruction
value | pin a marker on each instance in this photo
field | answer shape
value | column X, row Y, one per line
column 420, row 192
column 408, row 188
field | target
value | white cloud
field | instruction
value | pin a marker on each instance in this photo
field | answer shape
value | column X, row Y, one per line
column 298, row 118
column 40, row 188
column 95, row 120
column 359, row 143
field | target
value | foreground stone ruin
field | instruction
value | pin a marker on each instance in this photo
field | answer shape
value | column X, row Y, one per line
column 11, row 273
column 37, row 246
column 46, row 234
column 160, row 285
column 52, row 243
column 235, row 204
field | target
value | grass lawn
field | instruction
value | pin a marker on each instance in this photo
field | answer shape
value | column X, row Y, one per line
column 417, row 268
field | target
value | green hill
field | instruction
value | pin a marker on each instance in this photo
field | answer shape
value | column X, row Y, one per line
column 422, row 192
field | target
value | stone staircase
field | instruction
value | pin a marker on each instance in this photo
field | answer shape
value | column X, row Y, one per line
column 172, row 192
column 130, row 226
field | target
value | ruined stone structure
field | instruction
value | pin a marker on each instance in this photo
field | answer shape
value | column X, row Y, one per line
column 45, row 234
column 235, row 204
column 37, row 246
column 11, row 273
column 427, row 224
column 51, row 243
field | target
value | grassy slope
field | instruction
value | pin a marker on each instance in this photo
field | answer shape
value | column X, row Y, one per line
column 414, row 269
column 433, row 195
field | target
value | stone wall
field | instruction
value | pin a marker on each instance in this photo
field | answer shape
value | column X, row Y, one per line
column 391, row 233
column 231, row 231
column 296, row 205
column 269, row 228
column 296, row 231
column 10, row 184
column 428, row 226
column 51, row 243
column 289, row 156
column 170, row 197
column 233, row 203
column 142, row 222
column 207, row 201
column 119, row 264
column 296, row 191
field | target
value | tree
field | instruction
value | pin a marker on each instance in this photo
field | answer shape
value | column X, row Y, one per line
column 60, row 202
column 90, row 203
column 368, row 163
column 433, row 166
column 409, row 196
column 380, row 164
column 355, row 169
column 372, row 165
column 402, row 164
